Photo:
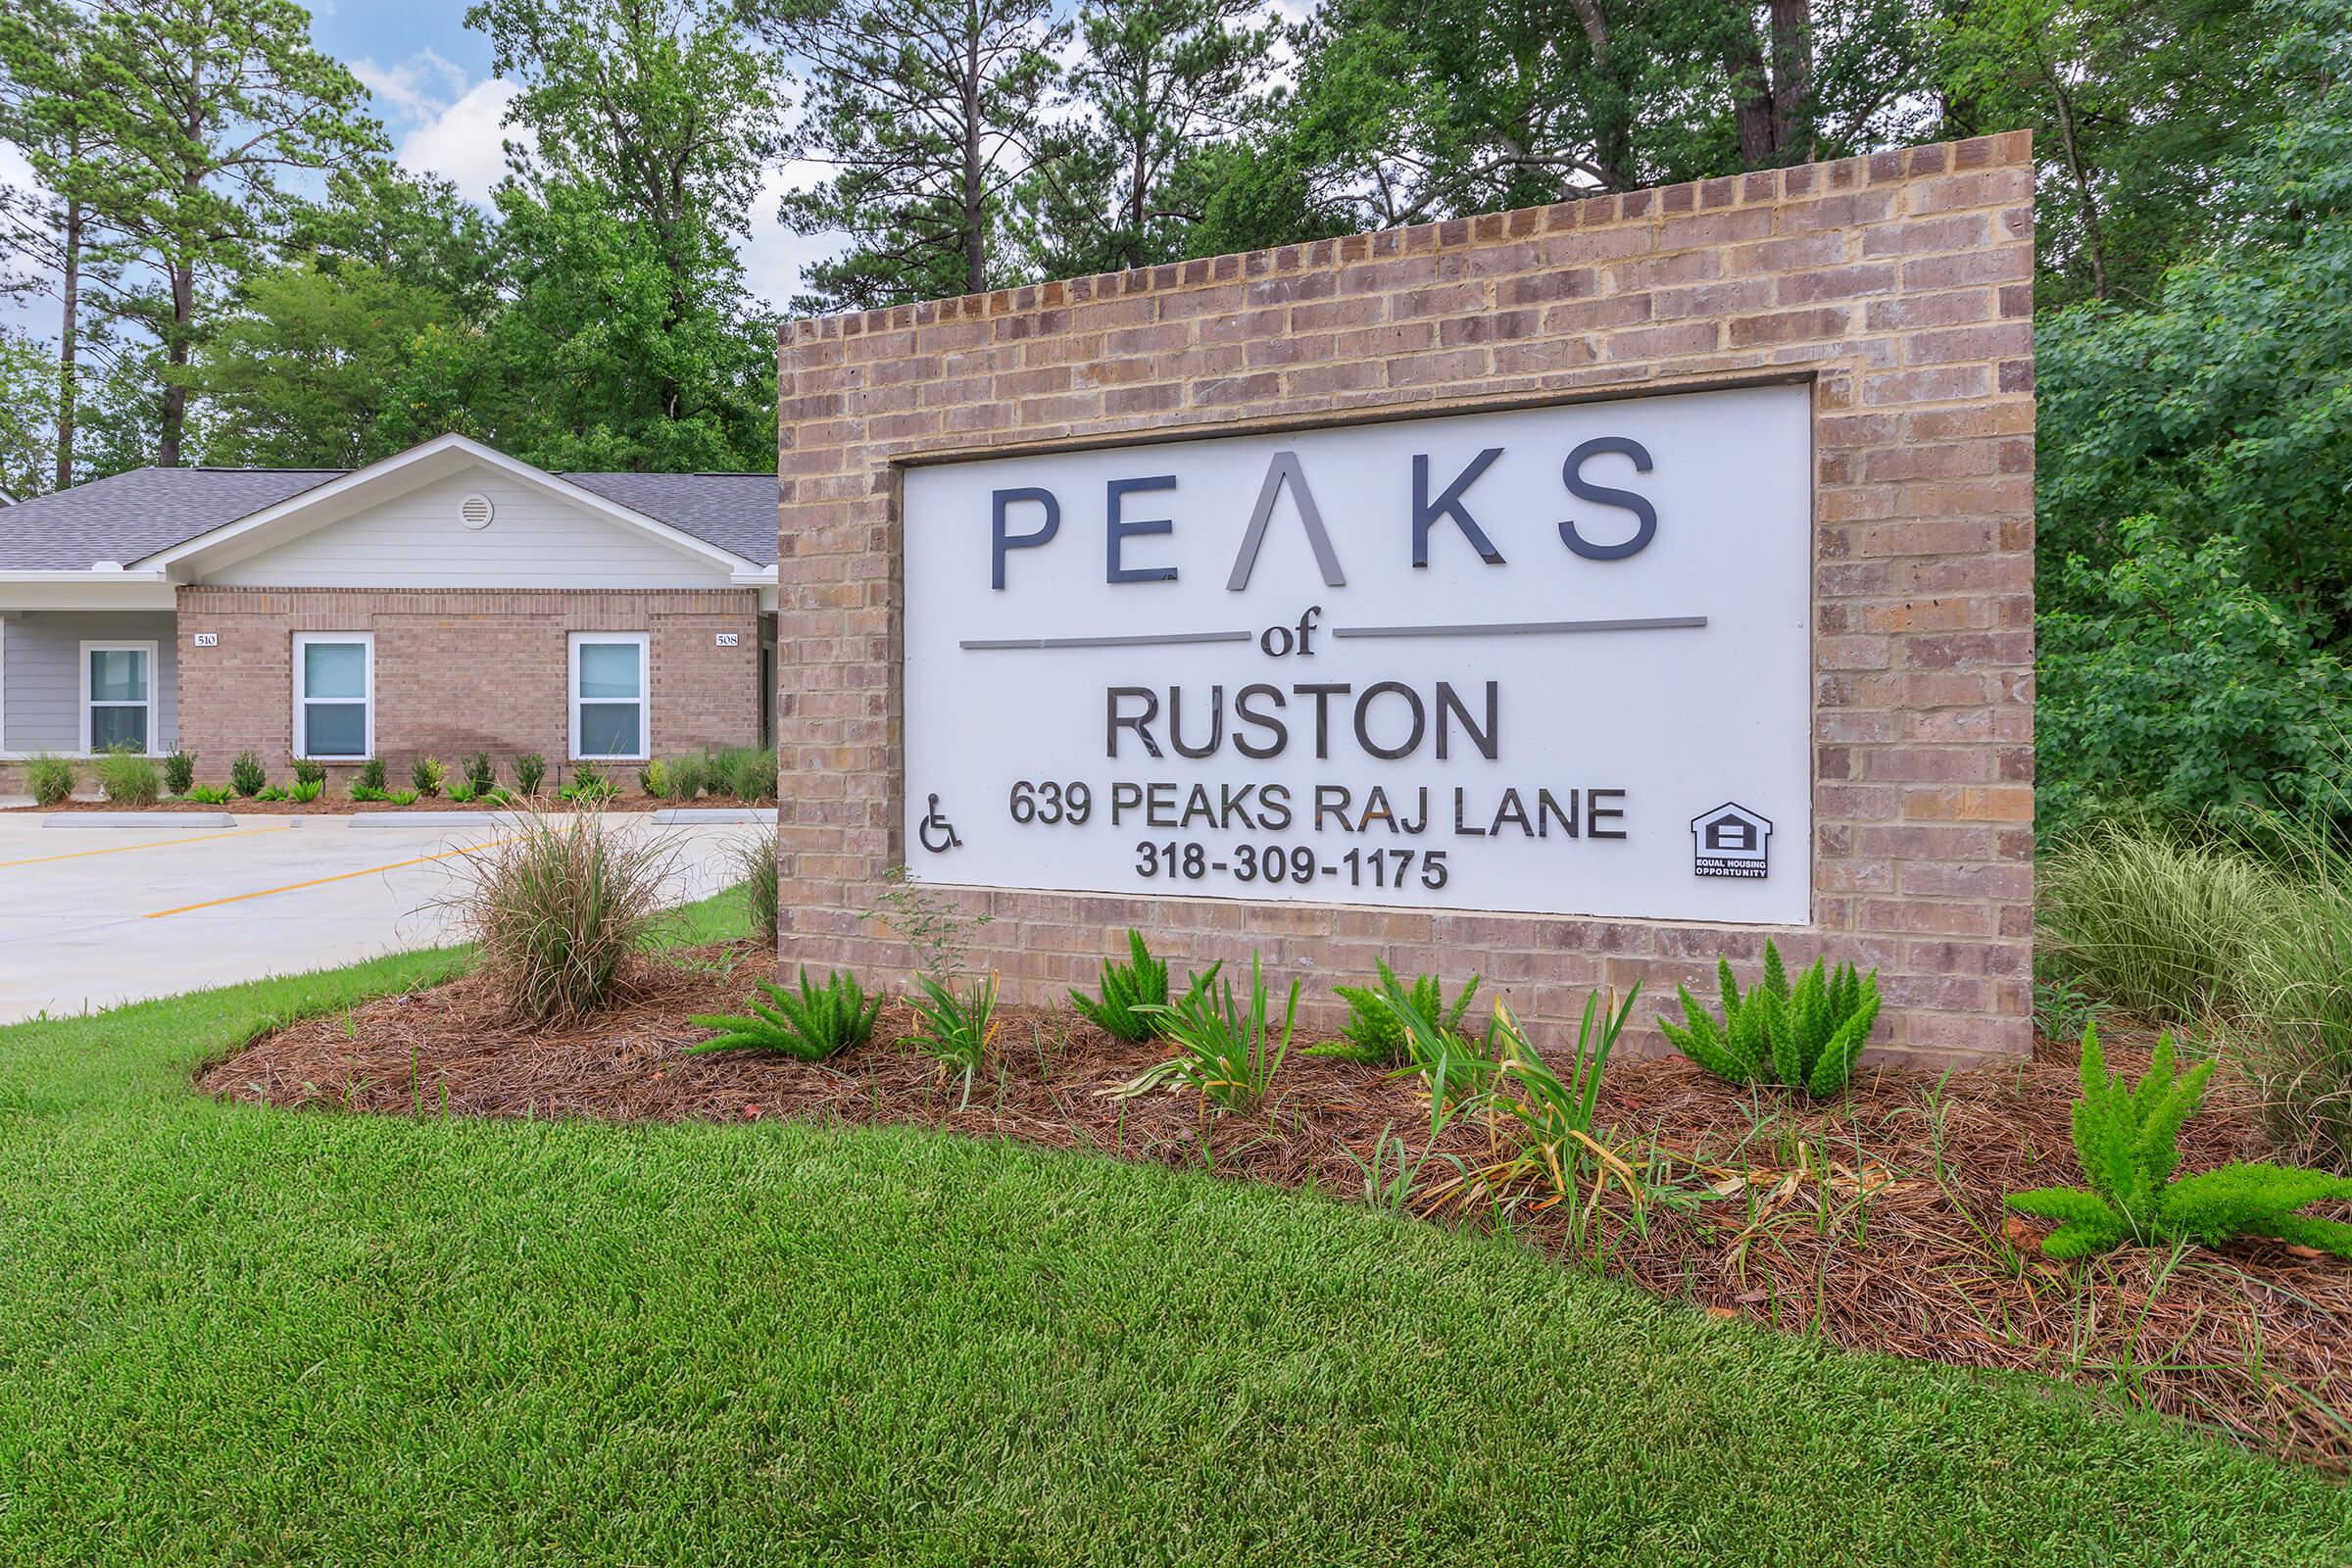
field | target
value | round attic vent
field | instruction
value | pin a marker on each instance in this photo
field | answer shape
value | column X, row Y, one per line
column 476, row 511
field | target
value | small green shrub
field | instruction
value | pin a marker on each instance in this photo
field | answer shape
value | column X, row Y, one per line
column 128, row 776
column 1375, row 1034
column 589, row 786
column 557, row 906
column 530, row 771
column 211, row 794
column 820, row 1022
column 426, row 775
column 2127, row 1141
column 271, row 793
column 179, row 772
column 957, row 1029
column 371, row 776
column 461, row 791
column 756, row 867
column 309, row 770
column 1802, row 1037
column 1142, row 982
column 746, row 773
column 481, row 777
column 246, row 774
column 50, row 778
column 402, row 796
column 653, row 780
column 307, row 790
column 687, row 776
column 1226, row 1053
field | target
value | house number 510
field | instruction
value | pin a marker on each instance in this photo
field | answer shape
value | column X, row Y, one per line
column 207, row 639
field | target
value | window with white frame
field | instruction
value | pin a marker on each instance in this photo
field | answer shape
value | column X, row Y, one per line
column 608, row 719
column 334, row 695
column 117, row 696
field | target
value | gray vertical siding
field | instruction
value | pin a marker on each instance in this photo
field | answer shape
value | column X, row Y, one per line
column 41, row 657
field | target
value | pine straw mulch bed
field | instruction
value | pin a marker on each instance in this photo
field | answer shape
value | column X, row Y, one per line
column 1875, row 1222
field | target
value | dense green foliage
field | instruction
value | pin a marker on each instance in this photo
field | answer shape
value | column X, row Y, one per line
column 1804, row 1036
column 816, row 1022
column 1377, row 1033
column 2127, row 1140
column 1227, row 1050
column 1139, row 983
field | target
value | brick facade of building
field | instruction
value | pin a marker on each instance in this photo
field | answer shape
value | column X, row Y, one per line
column 1899, row 287
column 461, row 670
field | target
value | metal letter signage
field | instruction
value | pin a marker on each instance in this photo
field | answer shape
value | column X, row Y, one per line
column 1554, row 659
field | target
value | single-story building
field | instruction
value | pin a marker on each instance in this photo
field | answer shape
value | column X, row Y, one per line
column 441, row 602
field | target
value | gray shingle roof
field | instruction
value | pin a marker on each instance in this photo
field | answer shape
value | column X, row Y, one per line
column 131, row 515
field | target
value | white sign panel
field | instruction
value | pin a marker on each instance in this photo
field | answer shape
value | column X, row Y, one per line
column 1551, row 659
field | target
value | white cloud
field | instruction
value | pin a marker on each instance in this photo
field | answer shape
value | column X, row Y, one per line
column 774, row 256
column 418, row 88
column 464, row 140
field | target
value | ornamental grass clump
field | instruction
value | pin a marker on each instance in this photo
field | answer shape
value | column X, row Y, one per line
column 1804, row 1036
column 755, row 861
column 685, row 777
column 1375, row 1034
column 1133, row 995
column 2127, row 1141
column 1457, row 1068
column 50, row 778
column 2156, row 919
column 558, row 908
column 1225, row 1053
column 128, row 776
column 820, row 1021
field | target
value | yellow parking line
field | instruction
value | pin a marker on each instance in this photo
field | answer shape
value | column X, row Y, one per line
column 212, row 837
column 322, row 881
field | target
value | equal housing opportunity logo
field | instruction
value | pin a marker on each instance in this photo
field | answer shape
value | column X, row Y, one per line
column 1731, row 841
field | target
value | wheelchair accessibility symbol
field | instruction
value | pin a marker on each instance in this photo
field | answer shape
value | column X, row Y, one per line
column 937, row 833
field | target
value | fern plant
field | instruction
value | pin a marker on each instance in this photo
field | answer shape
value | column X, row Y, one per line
column 1459, row 1069
column 1374, row 1033
column 1139, row 983
column 1803, row 1036
column 2127, row 1140
column 818, row 1022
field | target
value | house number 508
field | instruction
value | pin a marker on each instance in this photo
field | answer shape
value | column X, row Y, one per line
column 730, row 639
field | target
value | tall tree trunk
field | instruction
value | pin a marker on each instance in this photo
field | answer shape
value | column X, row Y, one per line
column 1770, row 100
column 69, row 348
column 175, row 362
column 975, row 238
column 1612, row 128
column 2095, row 246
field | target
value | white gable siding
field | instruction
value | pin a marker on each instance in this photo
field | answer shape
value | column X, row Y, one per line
column 417, row 542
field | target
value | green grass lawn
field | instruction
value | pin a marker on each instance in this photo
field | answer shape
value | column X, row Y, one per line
column 233, row 1335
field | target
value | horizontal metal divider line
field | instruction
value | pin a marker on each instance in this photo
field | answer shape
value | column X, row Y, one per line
column 1144, row 640
column 1522, row 628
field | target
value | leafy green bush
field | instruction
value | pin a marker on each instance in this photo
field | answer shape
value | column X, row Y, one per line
column 1374, row 1033
column 685, row 777
column 427, row 775
column 50, row 778
column 2127, row 1140
column 179, row 772
column 746, row 773
column 557, row 906
column 653, row 780
column 1803, row 1037
column 957, row 1029
column 309, row 770
column 211, row 794
column 530, row 771
column 372, row 777
column 1226, row 1053
column 246, row 775
column 2154, row 919
column 589, row 786
column 820, row 1022
column 1140, row 983
column 307, row 790
column 128, row 776
column 481, row 777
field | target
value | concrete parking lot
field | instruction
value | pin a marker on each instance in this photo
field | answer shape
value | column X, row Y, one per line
column 91, row 916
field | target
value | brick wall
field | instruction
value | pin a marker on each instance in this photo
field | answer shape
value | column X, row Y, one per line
column 463, row 671
column 1901, row 284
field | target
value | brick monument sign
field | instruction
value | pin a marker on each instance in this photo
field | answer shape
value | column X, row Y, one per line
column 1566, row 596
